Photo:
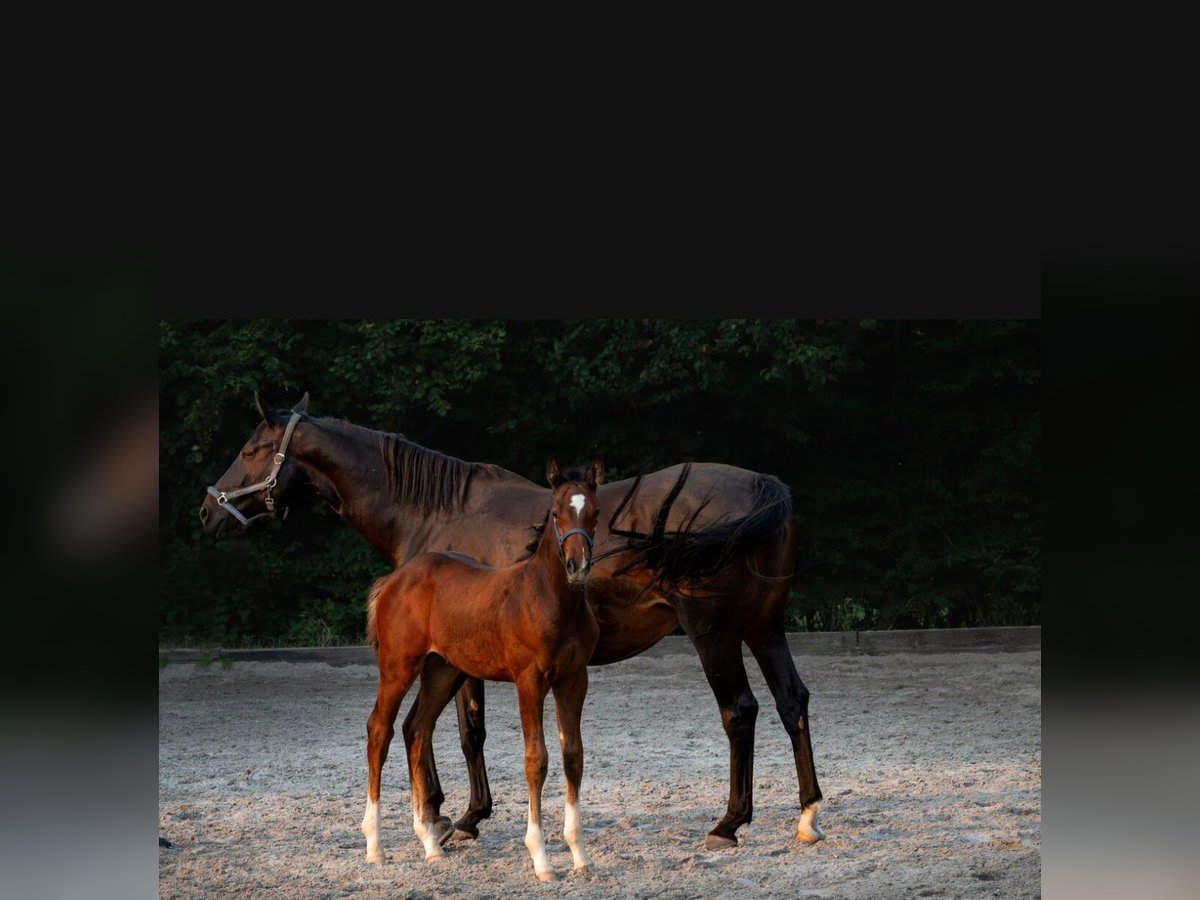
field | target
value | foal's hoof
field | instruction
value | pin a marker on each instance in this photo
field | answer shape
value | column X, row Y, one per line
column 443, row 829
column 435, row 857
column 719, row 842
column 548, row 875
column 465, row 831
column 807, row 829
column 375, row 857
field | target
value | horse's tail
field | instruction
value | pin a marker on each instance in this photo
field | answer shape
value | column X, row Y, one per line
column 373, row 612
column 690, row 554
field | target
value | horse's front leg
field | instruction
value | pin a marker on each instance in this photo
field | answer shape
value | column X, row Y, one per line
column 531, row 697
column 569, row 694
column 472, row 733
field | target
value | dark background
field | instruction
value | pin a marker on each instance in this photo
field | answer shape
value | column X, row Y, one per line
column 912, row 448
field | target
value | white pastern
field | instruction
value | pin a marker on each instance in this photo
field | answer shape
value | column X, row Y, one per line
column 807, row 829
column 571, row 833
column 535, row 842
column 577, row 503
column 428, row 837
column 370, row 830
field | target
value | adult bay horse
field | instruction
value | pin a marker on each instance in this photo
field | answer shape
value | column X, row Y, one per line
column 448, row 616
column 406, row 499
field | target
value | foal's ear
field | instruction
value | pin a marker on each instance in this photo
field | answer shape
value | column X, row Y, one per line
column 595, row 472
column 553, row 471
column 302, row 406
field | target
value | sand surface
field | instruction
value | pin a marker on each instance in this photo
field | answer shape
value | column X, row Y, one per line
column 930, row 765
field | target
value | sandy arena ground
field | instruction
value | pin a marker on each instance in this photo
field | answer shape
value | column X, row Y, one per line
column 930, row 765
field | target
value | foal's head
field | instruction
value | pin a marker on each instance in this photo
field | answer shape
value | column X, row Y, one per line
column 573, row 515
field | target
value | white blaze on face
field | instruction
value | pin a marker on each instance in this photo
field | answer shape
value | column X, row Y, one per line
column 577, row 503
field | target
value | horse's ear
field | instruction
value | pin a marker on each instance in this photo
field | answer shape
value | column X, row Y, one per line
column 553, row 471
column 302, row 406
column 595, row 473
column 262, row 410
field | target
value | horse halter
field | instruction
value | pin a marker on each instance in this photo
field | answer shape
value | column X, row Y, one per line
column 267, row 484
column 563, row 537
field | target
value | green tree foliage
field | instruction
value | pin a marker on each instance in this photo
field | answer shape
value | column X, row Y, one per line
column 912, row 450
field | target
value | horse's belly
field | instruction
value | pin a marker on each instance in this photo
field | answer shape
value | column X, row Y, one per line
column 629, row 622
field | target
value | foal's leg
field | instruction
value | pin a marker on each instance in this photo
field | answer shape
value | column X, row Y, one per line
column 791, row 700
column 720, row 650
column 472, row 733
column 568, row 701
column 394, row 682
column 531, row 697
column 439, row 681
column 421, row 703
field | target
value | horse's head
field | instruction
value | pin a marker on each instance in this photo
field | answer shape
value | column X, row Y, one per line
column 259, row 477
column 574, row 514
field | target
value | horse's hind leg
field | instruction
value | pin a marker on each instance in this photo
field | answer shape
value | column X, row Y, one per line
column 791, row 700
column 442, row 825
column 569, row 694
column 472, row 733
column 439, row 681
column 720, row 649
column 394, row 682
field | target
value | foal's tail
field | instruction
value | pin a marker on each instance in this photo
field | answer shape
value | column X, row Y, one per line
column 691, row 554
column 373, row 611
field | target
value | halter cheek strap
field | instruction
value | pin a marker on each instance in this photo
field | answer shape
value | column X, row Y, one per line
column 562, row 537
column 267, row 484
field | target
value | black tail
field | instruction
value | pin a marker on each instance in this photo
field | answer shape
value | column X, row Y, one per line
column 690, row 554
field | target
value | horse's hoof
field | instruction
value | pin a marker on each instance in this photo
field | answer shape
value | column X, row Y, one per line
column 719, row 842
column 807, row 829
column 434, row 857
column 464, row 831
column 548, row 875
column 583, row 870
column 375, row 857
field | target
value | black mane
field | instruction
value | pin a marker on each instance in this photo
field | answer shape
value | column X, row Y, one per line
column 425, row 479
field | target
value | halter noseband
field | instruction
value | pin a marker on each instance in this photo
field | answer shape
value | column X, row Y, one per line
column 562, row 537
column 267, row 484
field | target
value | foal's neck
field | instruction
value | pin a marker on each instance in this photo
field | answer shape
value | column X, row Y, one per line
column 548, row 559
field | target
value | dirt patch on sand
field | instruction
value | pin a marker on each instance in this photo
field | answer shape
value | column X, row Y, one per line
column 930, row 764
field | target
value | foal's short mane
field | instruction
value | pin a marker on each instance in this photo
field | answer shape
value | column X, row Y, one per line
column 425, row 479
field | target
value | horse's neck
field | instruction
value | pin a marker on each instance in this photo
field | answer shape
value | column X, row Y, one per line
column 550, row 565
column 344, row 465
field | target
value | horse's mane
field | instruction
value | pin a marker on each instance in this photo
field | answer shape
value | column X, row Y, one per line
column 425, row 479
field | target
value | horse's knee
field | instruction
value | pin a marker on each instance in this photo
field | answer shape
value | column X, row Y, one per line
column 739, row 718
column 537, row 760
column 572, row 760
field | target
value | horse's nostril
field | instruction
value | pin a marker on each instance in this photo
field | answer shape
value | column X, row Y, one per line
column 204, row 514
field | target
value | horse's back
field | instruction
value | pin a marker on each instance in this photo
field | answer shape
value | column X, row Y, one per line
column 717, row 490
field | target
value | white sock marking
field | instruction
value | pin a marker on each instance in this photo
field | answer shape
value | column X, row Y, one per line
column 571, row 833
column 370, row 829
column 535, row 842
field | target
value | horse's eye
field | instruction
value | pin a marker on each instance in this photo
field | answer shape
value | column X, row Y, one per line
column 248, row 453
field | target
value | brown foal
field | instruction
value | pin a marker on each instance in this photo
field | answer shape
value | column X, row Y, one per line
column 448, row 617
